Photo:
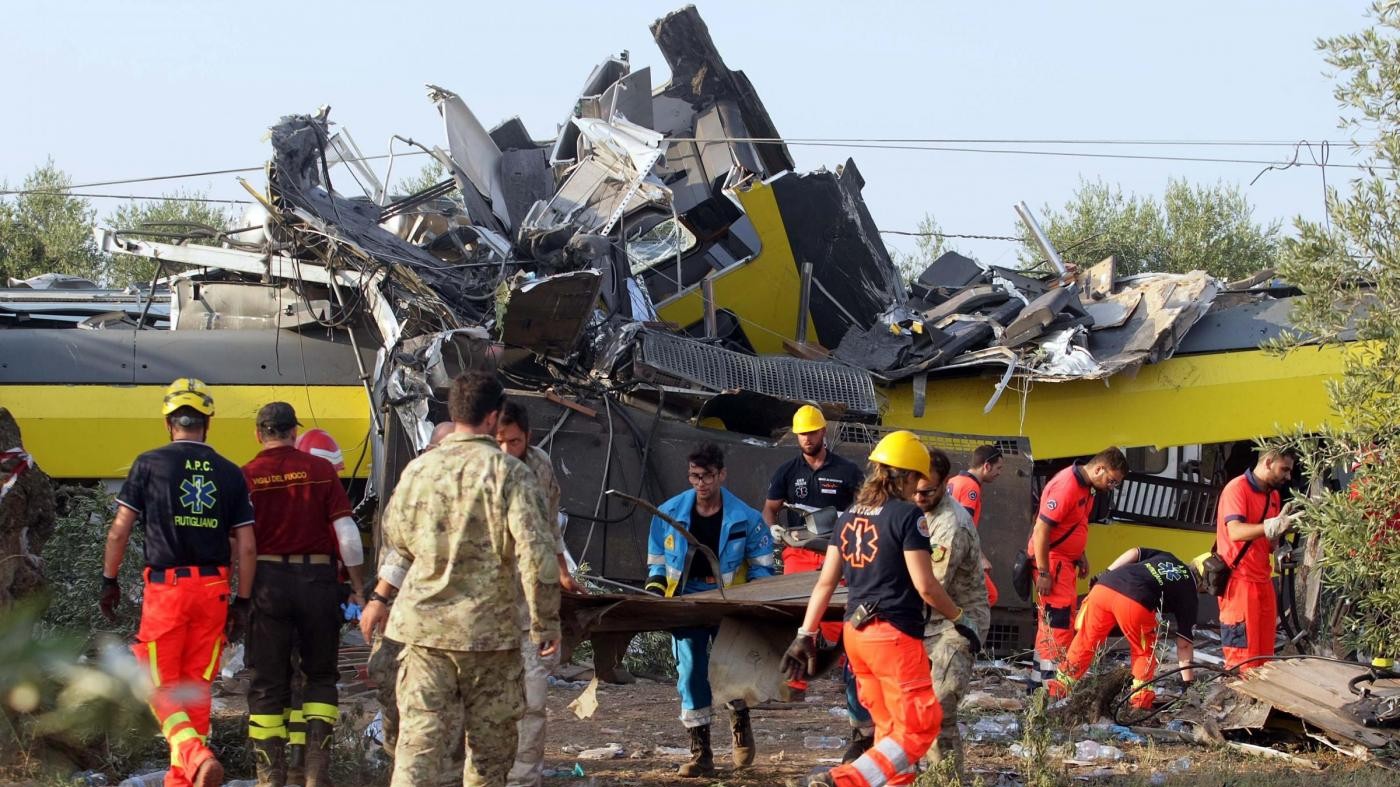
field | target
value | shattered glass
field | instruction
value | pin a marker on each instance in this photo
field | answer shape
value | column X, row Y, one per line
column 660, row 243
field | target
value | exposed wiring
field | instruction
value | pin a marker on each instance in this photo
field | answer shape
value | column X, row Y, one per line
column 52, row 193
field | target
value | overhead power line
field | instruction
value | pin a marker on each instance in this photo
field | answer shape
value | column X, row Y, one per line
column 51, row 193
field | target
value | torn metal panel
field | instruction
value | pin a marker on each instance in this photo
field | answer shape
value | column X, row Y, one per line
column 565, row 150
column 526, row 179
column 473, row 149
column 699, row 76
column 1316, row 692
column 243, row 306
column 829, row 225
column 661, row 356
column 511, row 134
column 629, row 98
column 547, row 316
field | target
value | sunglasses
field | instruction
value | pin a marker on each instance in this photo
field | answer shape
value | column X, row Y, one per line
column 925, row 492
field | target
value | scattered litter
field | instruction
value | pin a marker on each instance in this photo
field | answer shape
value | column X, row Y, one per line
column 233, row 662
column 1275, row 754
column 152, row 779
column 1000, row 727
column 559, row 683
column 1093, row 751
column 375, row 729
column 586, row 704
column 823, row 742
column 838, row 712
column 981, row 700
column 89, row 779
column 609, row 752
column 1116, row 731
column 676, row 751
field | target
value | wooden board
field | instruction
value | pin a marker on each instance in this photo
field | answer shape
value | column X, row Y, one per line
column 1315, row 691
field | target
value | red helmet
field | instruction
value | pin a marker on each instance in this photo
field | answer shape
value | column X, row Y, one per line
column 318, row 443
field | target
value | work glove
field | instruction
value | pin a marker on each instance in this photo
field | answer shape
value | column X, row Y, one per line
column 237, row 624
column 656, row 586
column 800, row 660
column 1142, row 699
column 111, row 596
column 1276, row 526
column 963, row 627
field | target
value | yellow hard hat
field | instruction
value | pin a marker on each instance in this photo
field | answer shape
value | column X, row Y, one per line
column 807, row 419
column 187, row 392
column 903, row 450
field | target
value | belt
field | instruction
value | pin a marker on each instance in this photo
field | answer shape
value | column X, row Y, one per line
column 305, row 560
column 170, row 575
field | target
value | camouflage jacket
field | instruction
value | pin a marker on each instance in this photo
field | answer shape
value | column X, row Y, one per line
column 469, row 520
column 539, row 463
column 957, row 564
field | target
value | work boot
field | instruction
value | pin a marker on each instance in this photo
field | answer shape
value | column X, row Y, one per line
column 743, row 737
column 296, row 763
column 702, row 758
column 319, row 739
column 860, row 743
column 210, row 773
column 270, row 757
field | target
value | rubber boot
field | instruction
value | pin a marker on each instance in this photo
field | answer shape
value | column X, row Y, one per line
column 702, row 758
column 319, row 739
column 270, row 757
column 296, row 763
column 860, row 744
column 210, row 773
column 743, row 737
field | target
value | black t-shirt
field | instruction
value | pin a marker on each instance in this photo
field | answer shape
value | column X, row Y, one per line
column 872, row 543
column 1158, row 581
column 833, row 484
column 189, row 500
column 706, row 528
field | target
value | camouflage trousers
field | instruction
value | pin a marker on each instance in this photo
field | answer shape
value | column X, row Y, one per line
column 528, row 769
column 449, row 698
column 950, row 665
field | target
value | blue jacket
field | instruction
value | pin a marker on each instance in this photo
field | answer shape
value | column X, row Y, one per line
column 745, row 551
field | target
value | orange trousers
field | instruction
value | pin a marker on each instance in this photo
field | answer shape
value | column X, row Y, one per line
column 1103, row 609
column 800, row 561
column 181, row 635
column 1055, row 627
column 892, row 678
column 1248, row 622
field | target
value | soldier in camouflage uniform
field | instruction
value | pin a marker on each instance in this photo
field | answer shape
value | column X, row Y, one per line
column 468, row 518
column 957, row 564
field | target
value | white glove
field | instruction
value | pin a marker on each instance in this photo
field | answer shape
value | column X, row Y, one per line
column 1276, row 526
column 778, row 532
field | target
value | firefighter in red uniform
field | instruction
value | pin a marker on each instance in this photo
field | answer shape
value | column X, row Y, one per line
column 1057, row 542
column 819, row 478
column 965, row 489
column 1141, row 583
column 881, row 548
column 303, row 525
column 1249, row 520
column 194, row 510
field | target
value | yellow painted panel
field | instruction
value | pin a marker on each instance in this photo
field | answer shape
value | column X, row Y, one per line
column 1107, row 542
column 95, row 431
column 763, row 292
column 1187, row 400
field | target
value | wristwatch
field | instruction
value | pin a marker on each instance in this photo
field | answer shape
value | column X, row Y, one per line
column 374, row 596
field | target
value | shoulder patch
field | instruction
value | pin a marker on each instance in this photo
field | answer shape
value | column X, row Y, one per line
column 1052, row 504
column 670, row 541
column 940, row 553
column 972, row 494
column 923, row 526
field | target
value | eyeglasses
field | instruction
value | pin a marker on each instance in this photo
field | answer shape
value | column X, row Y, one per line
column 924, row 492
column 702, row 478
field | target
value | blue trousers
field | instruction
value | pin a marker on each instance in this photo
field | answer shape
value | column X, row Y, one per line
column 691, row 647
column 859, row 716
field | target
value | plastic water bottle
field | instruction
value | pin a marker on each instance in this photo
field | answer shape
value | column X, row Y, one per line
column 823, row 742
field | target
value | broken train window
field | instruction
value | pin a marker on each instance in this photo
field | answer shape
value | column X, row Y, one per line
column 658, row 243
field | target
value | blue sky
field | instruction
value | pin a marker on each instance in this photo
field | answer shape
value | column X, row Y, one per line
column 115, row 90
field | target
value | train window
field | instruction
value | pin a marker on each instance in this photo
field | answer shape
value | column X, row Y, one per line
column 1147, row 460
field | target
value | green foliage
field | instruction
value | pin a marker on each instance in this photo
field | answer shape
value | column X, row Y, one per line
column 176, row 218
column 1193, row 227
column 430, row 175
column 1040, row 767
column 930, row 246
column 650, row 653
column 1350, row 275
column 47, row 231
column 73, row 567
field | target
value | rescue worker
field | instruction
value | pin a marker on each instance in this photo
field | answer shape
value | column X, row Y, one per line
column 467, row 518
column 194, row 512
column 1141, row 584
column 881, row 548
column 513, row 436
column 1056, row 546
column 1249, row 520
column 966, row 490
column 303, row 524
column 383, row 667
column 820, row 478
column 735, row 532
column 957, row 565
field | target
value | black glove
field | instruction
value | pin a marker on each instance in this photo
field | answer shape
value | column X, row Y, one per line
column 111, row 596
column 971, row 635
column 656, row 586
column 800, row 660
column 1095, row 579
column 237, row 624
